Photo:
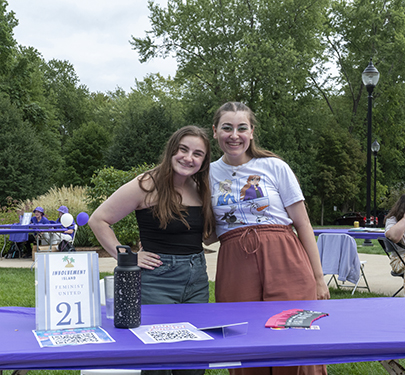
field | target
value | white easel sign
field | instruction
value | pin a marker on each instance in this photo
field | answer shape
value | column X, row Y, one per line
column 67, row 291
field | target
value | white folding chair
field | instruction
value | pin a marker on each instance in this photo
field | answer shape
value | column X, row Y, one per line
column 338, row 253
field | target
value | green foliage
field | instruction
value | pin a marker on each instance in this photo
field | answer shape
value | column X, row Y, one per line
column 338, row 165
column 105, row 182
column 70, row 99
column 22, row 162
column 9, row 214
column 356, row 31
column 141, row 137
column 228, row 48
column 272, row 55
column 84, row 237
column 74, row 197
column 7, row 42
column 84, row 152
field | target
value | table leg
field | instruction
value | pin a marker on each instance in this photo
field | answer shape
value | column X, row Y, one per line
column 50, row 240
column 1, row 254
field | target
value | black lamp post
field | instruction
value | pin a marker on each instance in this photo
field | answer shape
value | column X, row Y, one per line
column 375, row 147
column 370, row 78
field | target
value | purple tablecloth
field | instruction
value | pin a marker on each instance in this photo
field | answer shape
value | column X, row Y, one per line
column 364, row 235
column 356, row 330
column 13, row 229
column 18, row 237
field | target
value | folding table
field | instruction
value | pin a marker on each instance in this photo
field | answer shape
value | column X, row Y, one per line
column 356, row 330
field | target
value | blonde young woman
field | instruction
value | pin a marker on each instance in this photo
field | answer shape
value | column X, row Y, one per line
column 173, row 210
column 260, row 257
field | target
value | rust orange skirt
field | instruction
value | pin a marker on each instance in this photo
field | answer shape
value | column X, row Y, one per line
column 265, row 263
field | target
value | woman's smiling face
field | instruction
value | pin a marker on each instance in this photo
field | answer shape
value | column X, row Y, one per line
column 234, row 133
column 189, row 157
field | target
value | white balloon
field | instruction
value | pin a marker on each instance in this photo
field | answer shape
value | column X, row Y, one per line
column 66, row 220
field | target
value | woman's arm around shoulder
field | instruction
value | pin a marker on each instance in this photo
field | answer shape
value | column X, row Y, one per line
column 298, row 213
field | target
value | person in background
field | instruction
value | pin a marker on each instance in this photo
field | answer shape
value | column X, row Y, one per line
column 261, row 259
column 395, row 231
column 39, row 218
column 66, row 235
column 173, row 209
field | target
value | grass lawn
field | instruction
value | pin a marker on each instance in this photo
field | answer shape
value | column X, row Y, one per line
column 17, row 289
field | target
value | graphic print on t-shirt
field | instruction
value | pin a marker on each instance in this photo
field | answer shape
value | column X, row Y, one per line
column 226, row 197
column 258, row 209
column 242, row 201
column 251, row 190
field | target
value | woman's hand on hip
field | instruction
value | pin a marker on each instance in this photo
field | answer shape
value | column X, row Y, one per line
column 148, row 260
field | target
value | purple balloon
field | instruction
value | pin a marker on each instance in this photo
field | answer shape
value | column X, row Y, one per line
column 82, row 218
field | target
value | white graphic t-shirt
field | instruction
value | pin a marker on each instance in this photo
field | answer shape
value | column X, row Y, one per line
column 254, row 193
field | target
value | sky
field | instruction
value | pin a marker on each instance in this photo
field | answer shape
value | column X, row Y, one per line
column 93, row 35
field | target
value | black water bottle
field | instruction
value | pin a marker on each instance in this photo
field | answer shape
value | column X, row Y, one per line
column 127, row 289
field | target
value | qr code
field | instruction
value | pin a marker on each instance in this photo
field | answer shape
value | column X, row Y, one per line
column 74, row 339
column 169, row 336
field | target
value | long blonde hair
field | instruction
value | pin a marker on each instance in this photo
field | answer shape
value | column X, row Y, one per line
column 169, row 205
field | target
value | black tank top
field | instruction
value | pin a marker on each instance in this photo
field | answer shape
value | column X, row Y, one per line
column 176, row 239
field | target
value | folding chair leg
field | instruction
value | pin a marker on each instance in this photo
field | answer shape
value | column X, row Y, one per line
column 402, row 287
column 333, row 277
column 393, row 367
column 336, row 282
column 355, row 287
column 362, row 275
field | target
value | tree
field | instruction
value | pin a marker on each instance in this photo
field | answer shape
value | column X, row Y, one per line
column 7, row 41
column 140, row 138
column 356, row 31
column 260, row 52
column 84, row 153
column 338, row 162
column 23, row 165
column 250, row 51
column 69, row 97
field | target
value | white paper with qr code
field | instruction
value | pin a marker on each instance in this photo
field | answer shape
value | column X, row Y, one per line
column 74, row 336
column 173, row 332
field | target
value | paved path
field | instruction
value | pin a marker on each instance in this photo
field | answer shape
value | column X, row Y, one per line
column 377, row 270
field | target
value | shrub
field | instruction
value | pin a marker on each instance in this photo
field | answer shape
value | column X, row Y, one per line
column 74, row 197
column 106, row 181
column 9, row 214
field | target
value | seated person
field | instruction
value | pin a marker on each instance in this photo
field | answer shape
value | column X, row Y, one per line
column 39, row 218
column 395, row 231
column 66, row 235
